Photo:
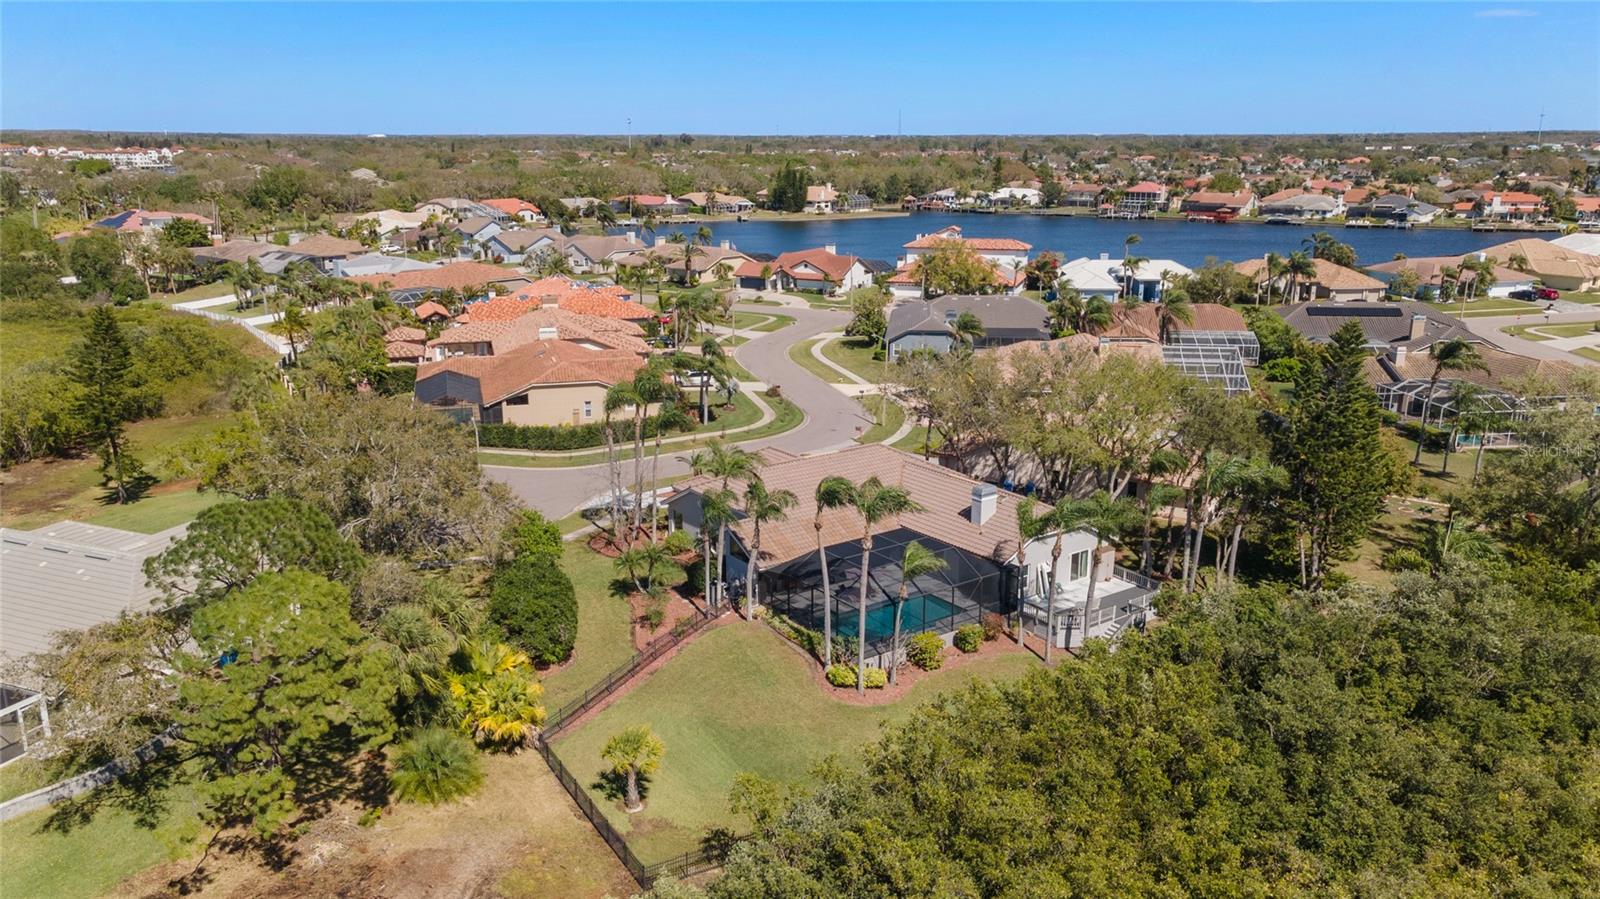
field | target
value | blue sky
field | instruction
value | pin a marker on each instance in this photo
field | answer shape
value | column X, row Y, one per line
column 833, row 68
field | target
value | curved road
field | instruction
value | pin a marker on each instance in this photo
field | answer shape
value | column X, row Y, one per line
column 833, row 420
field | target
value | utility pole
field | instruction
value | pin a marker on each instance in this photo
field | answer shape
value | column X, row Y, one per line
column 630, row 134
column 1540, row 140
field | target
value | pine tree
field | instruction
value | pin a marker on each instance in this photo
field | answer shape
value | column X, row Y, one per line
column 101, row 366
column 1328, row 441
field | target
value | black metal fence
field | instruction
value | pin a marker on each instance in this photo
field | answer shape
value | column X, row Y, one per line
column 597, row 818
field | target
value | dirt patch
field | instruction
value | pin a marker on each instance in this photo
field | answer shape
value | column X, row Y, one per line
column 674, row 610
column 520, row 836
column 910, row 675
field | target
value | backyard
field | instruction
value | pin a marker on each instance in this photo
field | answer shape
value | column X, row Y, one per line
column 738, row 698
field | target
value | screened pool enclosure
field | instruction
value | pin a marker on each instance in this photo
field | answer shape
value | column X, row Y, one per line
column 961, row 593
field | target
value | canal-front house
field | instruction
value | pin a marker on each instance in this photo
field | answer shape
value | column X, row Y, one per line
column 970, row 524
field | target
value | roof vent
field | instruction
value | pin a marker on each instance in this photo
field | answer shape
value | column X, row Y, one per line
column 985, row 499
column 547, row 332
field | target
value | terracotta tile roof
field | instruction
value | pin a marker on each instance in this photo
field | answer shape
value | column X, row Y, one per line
column 511, row 205
column 1143, row 322
column 545, row 288
column 1357, row 195
column 535, row 364
column 1220, row 198
column 505, row 333
column 944, row 494
column 603, row 302
column 1329, row 275
column 1545, row 258
column 1430, row 269
column 405, row 334
column 1502, row 370
column 497, row 309
column 833, row 265
column 454, row 276
column 1088, row 345
column 929, row 241
column 1285, row 194
column 404, row 351
column 429, row 309
column 1147, row 187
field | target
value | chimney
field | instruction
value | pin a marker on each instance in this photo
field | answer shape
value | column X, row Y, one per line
column 632, row 236
column 984, row 500
column 831, row 248
column 1419, row 323
column 661, row 240
column 547, row 332
column 727, row 245
column 1105, row 257
column 1397, row 353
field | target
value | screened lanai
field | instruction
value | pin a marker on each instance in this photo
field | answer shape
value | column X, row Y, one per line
column 968, row 587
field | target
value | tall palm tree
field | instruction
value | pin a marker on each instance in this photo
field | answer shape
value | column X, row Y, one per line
column 1454, row 354
column 1173, row 308
column 1300, row 267
column 966, row 329
column 1130, row 267
column 702, row 235
column 761, row 505
column 873, row 502
column 916, row 561
column 728, row 463
column 1108, row 518
column 716, row 509
column 1030, row 527
column 833, row 492
column 296, row 326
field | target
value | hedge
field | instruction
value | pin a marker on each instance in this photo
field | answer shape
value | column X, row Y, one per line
column 532, row 602
column 559, row 437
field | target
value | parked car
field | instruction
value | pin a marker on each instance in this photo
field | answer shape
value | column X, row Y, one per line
column 1547, row 293
column 1525, row 293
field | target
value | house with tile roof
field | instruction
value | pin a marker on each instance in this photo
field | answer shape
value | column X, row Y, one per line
column 1509, row 206
column 659, row 204
column 1008, row 256
column 820, row 198
column 515, row 208
column 1405, row 326
column 588, row 253
column 540, row 382
column 1144, row 197
column 686, row 263
column 497, row 326
column 1082, row 194
column 148, row 221
column 1219, row 205
column 1555, row 265
column 475, row 279
column 717, row 202
column 970, row 524
column 1505, row 385
column 820, row 269
column 1295, row 204
column 1330, row 282
column 1431, row 273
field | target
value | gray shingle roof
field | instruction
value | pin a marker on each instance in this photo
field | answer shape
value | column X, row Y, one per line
column 1384, row 323
column 1002, row 316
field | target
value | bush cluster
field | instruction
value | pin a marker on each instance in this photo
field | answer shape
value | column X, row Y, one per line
column 842, row 675
column 926, row 651
column 1403, row 559
column 805, row 638
column 994, row 624
column 561, row 437
column 531, row 601
column 435, row 766
column 969, row 637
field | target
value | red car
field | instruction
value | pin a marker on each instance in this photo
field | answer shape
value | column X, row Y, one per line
column 1546, row 293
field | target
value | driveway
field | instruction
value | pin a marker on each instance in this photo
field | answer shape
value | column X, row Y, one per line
column 833, row 420
column 1489, row 328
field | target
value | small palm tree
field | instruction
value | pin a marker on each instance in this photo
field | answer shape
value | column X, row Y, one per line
column 916, row 561
column 967, row 328
column 702, row 234
column 1174, row 307
column 296, row 326
column 1455, row 354
column 497, row 699
column 1130, row 268
column 436, row 766
column 873, row 502
column 641, row 562
column 832, row 493
column 761, row 505
column 634, row 752
column 1108, row 518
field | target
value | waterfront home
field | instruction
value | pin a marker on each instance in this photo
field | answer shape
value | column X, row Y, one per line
column 1297, row 204
column 475, row 280
column 1430, row 274
column 821, row 269
column 1144, row 197
column 1220, row 205
column 1014, row 196
column 1330, row 281
column 1509, row 206
column 524, row 245
column 820, row 198
column 1082, row 194
column 687, row 263
column 591, row 253
column 970, row 524
column 716, row 203
column 1093, row 277
column 928, row 324
column 1396, row 208
column 1006, row 254
column 510, row 208
column 639, row 204
column 541, row 382
column 1555, row 265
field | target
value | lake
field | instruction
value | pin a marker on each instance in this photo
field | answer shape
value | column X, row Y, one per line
column 1074, row 236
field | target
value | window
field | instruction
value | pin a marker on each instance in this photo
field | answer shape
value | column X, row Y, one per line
column 520, row 399
column 588, row 408
column 1080, row 565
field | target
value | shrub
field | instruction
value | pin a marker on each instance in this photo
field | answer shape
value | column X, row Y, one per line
column 1284, row 369
column 877, row 678
column 926, row 651
column 679, row 542
column 994, row 624
column 557, row 437
column 655, row 613
column 532, row 601
column 969, row 637
column 436, row 766
column 841, row 675
column 775, row 392
column 531, row 534
column 1403, row 559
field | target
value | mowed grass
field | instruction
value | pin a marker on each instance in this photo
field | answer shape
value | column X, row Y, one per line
column 887, row 416
column 1586, row 352
column 604, row 639
column 1546, row 332
column 25, row 340
column 90, row 857
column 856, row 355
column 761, row 321
column 1489, row 307
column 737, row 698
column 198, row 292
column 803, row 357
column 45, row 491
column 918, row 439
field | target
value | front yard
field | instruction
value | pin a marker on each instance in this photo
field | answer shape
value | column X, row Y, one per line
column 738, row 698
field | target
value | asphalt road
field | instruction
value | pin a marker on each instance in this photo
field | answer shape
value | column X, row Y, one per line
column 1488, row 328
column 833, row 420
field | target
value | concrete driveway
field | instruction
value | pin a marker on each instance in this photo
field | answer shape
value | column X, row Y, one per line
column 1489, row 328
column 833, row 420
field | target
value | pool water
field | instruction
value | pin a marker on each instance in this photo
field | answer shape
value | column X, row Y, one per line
column 919, row 611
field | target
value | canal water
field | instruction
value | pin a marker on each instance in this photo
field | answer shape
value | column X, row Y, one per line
column 1075, row 236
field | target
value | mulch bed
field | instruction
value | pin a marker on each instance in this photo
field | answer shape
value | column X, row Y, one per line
column 677, row 609
column 910, row 675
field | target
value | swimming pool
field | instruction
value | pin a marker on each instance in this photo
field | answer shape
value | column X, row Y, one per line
column 919, row 611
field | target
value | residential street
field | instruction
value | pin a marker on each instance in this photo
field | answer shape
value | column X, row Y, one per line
column 1489, row 329
column 832, row 419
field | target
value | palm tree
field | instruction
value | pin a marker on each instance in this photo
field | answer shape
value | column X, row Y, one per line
column 873, row 502
column 1130, row 267
column 1031, row 527
column 1454, row 354
column 1107, row 518
column 640, row 562
column 716, row 509
column 966, row 329
column 1300, row 266
column 497, row 699
column 633, row 752
column 1274, row 269
column 1173, row 308
column 833, row 492
column 916, row 561
column 702, row 235
column 728, row 463
column 295, row 325
column 1518, row 262
column 761, row 505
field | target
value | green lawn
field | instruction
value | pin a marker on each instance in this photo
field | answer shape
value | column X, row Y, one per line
column 45, row 491
column 605, row 638
column 198, row 292
column 1546, row 332
column 893, row 416
column 736, row 699
column 1587, row 353
column 763, row 322
column 856, row 355
column 786, row 416
column 23, row 776
column 801, row 354
column 91, row 857
column 913, row 441
column 1489, row 307
column 1574, row 296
